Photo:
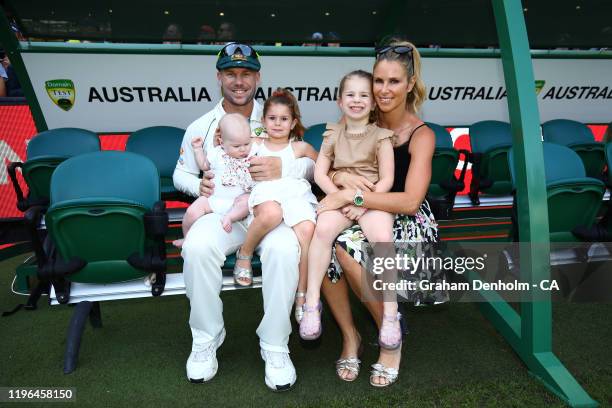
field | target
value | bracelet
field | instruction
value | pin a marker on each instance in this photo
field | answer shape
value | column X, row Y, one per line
column 333, row 175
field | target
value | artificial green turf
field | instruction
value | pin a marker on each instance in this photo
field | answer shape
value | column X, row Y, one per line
column 452, row 357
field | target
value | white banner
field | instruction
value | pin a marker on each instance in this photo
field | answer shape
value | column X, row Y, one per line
column 123, row 93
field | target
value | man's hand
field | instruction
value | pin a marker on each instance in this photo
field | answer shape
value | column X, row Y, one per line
column 265, row 168
column 353, row 182
column 206, row 185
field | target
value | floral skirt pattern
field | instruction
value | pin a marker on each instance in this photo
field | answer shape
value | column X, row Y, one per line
column 415, row 236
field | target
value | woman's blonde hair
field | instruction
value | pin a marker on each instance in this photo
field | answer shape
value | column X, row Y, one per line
column 412, row 65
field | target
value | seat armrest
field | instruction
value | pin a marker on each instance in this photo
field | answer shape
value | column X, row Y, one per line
column 12, row 171
column 33, row 217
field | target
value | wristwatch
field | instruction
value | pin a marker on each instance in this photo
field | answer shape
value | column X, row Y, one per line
column 358, row 198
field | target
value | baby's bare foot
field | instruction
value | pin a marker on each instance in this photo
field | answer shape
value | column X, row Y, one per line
column 178, row 242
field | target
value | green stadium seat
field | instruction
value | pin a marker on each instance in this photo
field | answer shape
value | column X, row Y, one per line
column 605, row 225
column 578, row 137
column 105, row 224
column 444, row 185
column 44, row 153
column 608, row 153
column 490, row 140
column 314, row 135
column 101, row 204
column 574, row 199
column 602, row 232
column 161, row 144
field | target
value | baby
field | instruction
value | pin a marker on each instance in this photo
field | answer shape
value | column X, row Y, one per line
column 232, row 180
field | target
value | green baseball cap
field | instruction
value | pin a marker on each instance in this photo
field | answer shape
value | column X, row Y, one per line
column 236, row 55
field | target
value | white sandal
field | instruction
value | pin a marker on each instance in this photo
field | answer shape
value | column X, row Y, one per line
column 240, row 273
column 299, row 312
column 351, row 365
column 388, row 373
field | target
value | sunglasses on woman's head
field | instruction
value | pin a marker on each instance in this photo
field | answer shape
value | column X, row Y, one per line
column 397, row 49
column 231, row 49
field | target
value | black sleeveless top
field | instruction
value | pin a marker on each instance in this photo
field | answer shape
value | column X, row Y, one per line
column 402, row 162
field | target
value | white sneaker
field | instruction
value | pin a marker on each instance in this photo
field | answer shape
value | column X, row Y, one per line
column 202, row 363
column 280, row 372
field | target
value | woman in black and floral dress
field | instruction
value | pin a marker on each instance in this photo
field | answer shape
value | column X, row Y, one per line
column 399, row 92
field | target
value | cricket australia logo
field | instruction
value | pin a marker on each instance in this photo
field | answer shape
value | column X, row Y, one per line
column 259, row 132
column 61, row 92
column 539, row 85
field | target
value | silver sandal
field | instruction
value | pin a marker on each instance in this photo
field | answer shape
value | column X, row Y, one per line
column 351, row 364
column 388, row 373
column 243, row 273
column 299, row 312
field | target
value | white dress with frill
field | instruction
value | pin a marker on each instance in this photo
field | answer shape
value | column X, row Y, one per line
column 293, row 194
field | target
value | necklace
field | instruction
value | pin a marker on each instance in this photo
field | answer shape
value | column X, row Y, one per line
column 410, row 122
column 403, row 128
column 408, row 128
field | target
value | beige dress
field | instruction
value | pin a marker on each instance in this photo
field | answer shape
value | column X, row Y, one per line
column 354, row 153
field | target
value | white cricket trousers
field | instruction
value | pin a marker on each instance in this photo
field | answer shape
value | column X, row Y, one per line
column 204, row 251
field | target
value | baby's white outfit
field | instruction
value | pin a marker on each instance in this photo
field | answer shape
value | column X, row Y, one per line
column 232, row 178
column 293, row 194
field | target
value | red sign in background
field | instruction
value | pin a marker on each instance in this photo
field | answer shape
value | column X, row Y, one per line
column 17, row 128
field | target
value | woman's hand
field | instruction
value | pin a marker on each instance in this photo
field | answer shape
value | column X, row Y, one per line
column 353, row 182
column 353, row 213
column 336, row 200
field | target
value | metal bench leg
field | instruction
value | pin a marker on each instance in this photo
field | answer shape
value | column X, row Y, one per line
column 73, row 337
column 95, row 316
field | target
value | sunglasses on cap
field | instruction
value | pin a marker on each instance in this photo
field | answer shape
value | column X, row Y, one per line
column 233, row 48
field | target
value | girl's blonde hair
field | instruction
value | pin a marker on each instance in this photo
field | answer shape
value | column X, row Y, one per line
column 412, row 65
column 283, row 97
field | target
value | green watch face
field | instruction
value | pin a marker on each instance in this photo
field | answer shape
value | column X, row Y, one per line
column 358, row 200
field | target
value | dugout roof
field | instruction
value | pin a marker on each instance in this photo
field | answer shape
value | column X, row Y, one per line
column 447, row 23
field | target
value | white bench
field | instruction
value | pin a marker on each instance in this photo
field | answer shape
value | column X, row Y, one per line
column 175, row 284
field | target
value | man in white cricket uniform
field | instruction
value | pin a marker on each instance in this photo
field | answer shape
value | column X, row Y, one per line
column 207, row 244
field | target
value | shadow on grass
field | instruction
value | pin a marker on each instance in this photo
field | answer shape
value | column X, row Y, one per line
column 452, row 357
